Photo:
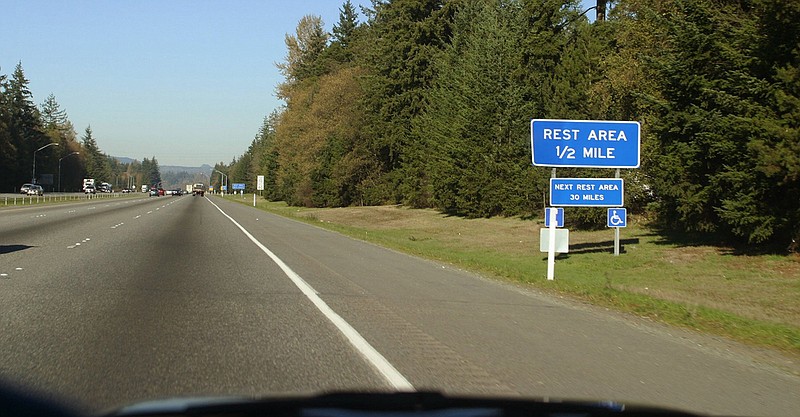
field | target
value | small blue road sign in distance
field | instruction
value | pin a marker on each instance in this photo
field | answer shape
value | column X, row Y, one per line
column 586, row 192
column 559, row 216
column 585, row 143
column 617, row 217
column 238, row 186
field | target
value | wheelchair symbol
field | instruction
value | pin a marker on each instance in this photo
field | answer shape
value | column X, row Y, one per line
column 614, row 218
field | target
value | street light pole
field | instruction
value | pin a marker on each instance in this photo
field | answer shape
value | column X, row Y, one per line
column 59, row 168
column 223, row 180
column 33, row 180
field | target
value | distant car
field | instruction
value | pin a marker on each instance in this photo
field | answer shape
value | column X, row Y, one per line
column 126, row 190
column 161, row 191
column 153, row 192
column 89, row 189
column 177, row 192
column 24, row 189
column 35, row 190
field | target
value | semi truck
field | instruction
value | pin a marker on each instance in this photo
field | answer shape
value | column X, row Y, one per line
column 199, row 189
column 88, row 183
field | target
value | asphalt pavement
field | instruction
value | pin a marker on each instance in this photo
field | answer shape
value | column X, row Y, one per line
column 104, row 303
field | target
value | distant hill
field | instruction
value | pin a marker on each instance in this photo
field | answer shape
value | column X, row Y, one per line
column 123, row 160
column 178, row 177
column 173, row 176
column 205, row 169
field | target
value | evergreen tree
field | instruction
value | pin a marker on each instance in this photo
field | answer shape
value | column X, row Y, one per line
column 403, row 40
column 548, row 30
column 91, row 153
column 59, row 129
column 240, row 170
column 98, row 165
column 477, row 117
column 218, row 180
column 777, row 150
column 345, row 166
column 428, row 102
column 8, row 148
column 344, row 33
column 304, row 49
column 53, row 116
column 266, row 158
column 24, row 127
column 151, row 174
column 344, row 29
column 721, row 137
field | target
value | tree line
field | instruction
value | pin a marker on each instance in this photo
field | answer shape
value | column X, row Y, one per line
column 427, row 103
column 26, row 128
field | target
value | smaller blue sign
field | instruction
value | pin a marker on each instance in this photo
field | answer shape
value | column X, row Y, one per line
column 559, row 216
column 617, row 217
column 586, row 192
column 238, row 186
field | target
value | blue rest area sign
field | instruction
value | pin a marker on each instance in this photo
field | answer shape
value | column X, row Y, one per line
column 586, row 192
column 559, row 216
column 238, row 186
column 585, row 143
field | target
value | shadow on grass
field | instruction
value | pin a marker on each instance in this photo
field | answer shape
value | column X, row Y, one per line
column 606, row 246
column 663, row 236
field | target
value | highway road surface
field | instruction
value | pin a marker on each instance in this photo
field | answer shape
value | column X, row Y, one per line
column 108, row 302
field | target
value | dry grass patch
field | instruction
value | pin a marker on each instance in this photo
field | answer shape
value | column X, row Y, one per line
column 502, row 234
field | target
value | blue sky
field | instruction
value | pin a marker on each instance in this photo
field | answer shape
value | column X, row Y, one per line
column 188, row 82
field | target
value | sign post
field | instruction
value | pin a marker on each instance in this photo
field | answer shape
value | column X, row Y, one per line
column 553, row 218
column 551, row 248
column 259, row 187
column 260, row 183
column 238, row 186
column 617, row 218
column 584, row 144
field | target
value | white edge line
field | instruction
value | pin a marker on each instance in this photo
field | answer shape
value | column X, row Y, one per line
column 386, row 369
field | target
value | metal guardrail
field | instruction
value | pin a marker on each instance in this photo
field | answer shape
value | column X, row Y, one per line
column 24, row 200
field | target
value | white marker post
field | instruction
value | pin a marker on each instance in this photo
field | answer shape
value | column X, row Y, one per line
column 617, row 218
column 551, row 246
column 616, row 229
column 254, row 199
